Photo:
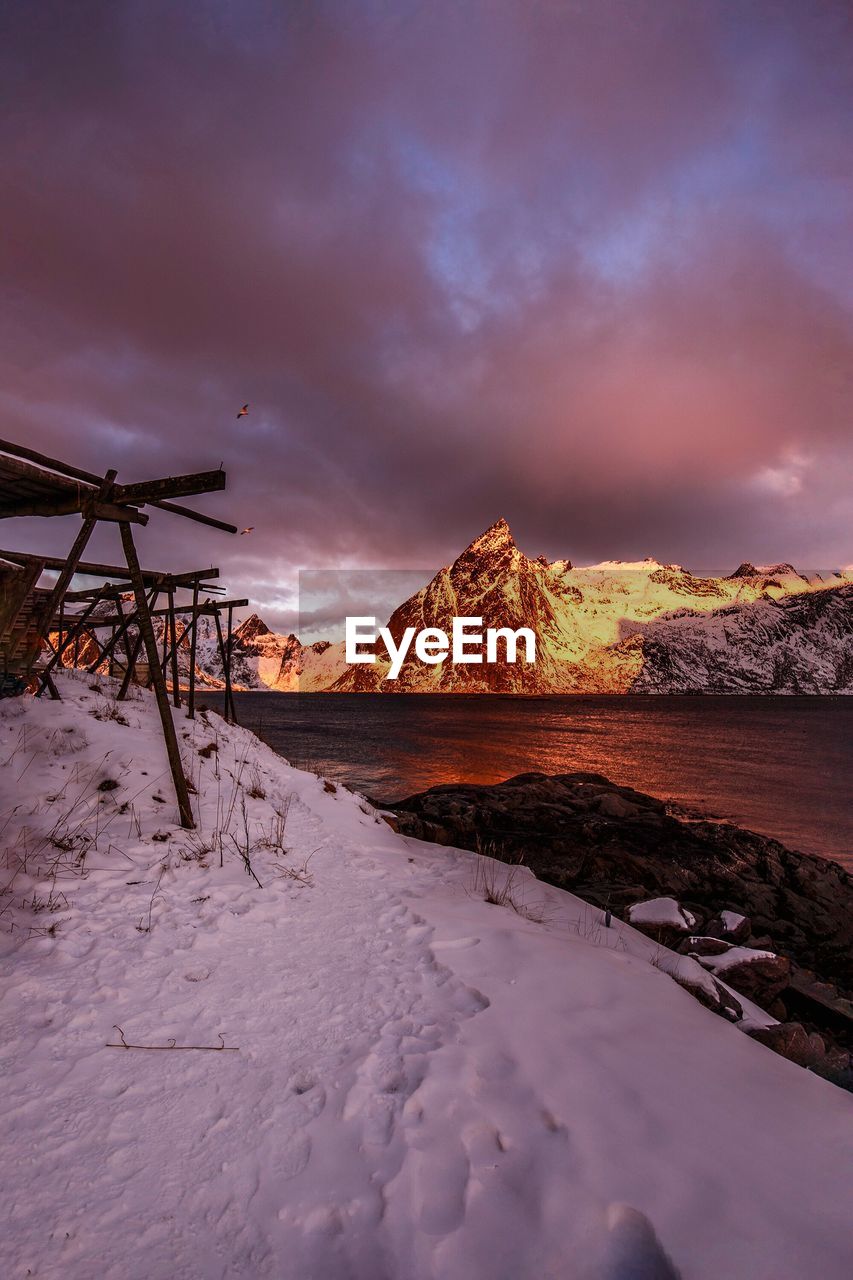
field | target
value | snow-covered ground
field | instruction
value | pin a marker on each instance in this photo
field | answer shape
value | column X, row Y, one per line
column 424, row 1084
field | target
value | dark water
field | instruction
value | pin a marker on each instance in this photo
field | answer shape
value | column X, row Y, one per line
column 781, row 766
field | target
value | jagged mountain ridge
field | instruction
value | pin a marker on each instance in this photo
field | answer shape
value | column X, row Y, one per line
column 612, row 627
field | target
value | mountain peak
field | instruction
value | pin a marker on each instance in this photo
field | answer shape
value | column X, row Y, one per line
column 251, row 628
column 745, row 570
column 498, row 537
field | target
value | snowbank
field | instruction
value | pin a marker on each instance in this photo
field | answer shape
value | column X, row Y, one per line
column 425, row 1084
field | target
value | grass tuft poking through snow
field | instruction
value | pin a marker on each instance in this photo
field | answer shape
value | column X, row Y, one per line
column 418, row 1085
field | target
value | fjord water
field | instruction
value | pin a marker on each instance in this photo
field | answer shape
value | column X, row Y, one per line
column 781, row 766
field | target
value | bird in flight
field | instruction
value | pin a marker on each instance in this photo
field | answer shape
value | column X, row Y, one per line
column 249, row 530
column 243, row 412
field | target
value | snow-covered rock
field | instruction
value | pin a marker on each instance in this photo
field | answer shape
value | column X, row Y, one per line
column 417, row 1082
column 761, row 975
column 731, row 926
column 660, row 913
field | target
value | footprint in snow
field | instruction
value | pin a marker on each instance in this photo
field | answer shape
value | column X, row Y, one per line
column 628, row 1249
column 197, row 975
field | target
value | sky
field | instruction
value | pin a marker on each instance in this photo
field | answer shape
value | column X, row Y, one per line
column 584, row 265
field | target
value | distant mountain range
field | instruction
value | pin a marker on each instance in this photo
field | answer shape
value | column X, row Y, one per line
column 614, row 627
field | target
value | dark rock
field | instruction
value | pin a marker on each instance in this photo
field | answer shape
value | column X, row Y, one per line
column 693, row 946
column 719, row 927
column 792, row 1041
column 730, row 1006
column 567, row 830
column 760, row 976
column 616, row 806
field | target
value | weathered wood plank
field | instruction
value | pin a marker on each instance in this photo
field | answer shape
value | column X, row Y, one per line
column 171, row 487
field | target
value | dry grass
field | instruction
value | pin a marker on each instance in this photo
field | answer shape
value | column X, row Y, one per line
column 503, row 883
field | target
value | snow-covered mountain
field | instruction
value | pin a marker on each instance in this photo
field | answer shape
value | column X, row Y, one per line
column 613, row 627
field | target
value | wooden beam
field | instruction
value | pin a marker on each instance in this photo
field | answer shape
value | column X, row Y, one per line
column 171, row 487
column 89, row 569
column 71, row 633
column 44, row 507
column 68, row 569
column 198, row 516
column 158, row 680
column 88, row 477
column 19, row 451
column 120, row 630
column 193, row 637
column 111, row 592
column 208, row 607
column 123, row 631
column 39, row 478
column 15, row 594
column 225, row 668
column 130, row 669
column 173, row 641
column 229, row 649
column 133, row 653
column 115, row 514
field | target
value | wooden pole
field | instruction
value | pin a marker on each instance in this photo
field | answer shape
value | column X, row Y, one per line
column 156, row 671
column 131, row 667
column 123, row 630
column 193, row 640
column 118, row 633
column 164, row 660
column 173, row 641
column 68, row 569
column 72, row 632
column 225, row 668
column 230, row 649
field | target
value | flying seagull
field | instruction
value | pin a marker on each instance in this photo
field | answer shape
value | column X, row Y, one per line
column 243, row 412
column 249, row 530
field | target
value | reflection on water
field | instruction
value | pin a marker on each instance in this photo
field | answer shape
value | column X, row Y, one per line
column 781, row 766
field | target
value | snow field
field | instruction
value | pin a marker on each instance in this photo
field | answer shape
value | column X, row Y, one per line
column 426, row 1085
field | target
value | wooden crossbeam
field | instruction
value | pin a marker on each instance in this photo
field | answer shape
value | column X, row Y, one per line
column 154, row 499
column 89, row 569
column 63, row 468
column 71, row 507
column 44, row 494
column 198, row 516
column 115, row 514
column 114, row 591
column 35, row 476
column 171, row 487
column 205, row 608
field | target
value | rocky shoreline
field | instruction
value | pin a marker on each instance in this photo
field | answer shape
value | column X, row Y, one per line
column 616, row 847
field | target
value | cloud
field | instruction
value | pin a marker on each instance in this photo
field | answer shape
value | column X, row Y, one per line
column 583, row 266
